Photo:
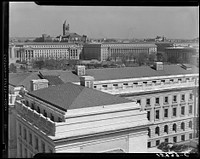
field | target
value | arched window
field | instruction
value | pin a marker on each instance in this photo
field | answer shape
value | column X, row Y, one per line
column 45, row 114
column 157, row 130
column 166, row 129
column 174, row 127
column 32, row 106
column 190, row 124
column 183, row 126
column 52, row 117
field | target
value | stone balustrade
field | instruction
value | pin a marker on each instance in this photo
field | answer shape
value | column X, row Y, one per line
column 37, row 119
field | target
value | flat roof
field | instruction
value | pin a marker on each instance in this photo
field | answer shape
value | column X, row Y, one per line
column 71, row 96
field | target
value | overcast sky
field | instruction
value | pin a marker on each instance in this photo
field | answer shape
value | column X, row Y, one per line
column 30, row 20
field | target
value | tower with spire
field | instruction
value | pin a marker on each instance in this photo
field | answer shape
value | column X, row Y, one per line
column 65, row 28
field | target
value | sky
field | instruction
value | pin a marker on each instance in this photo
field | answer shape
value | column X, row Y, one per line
column 27, row 19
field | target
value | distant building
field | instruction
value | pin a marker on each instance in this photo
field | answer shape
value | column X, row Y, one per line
column 116, row 51
column 44, row 50
column 179, row 54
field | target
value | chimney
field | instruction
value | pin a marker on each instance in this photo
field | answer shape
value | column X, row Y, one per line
column 158, row 66
column 87, row 81
column 80, row 70
column 39, row 84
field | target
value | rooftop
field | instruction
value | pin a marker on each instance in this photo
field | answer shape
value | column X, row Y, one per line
column 71, row 96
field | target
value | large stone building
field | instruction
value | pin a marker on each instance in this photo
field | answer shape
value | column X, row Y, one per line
column 45, row 50
column 73, row 118
column 168, row 93
column 116, row 51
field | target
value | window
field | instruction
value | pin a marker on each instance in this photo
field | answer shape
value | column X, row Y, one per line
column 174, row 127
column 36, row 142
column 174, row 111
column 175, row 98
column 20, row 130
column 59, row 119
column 165, row 113
column 174, row 139
column 30, row 138
column 126, row 84
column 190, row 136
column 166, row 129
column 182, row 137
column 25, row 153
column 115, row 85
column 183, row 97
column 183, row 110
column 157, row 131
column 95, row 86
column 52, row 117
column 148, row 115
column 166, row 99
column 183, row 126
column 45, row 114
column 157, row 142
column 149, row 144
column 190, row 124
column 38, row 109
column 104, row 86
column 24, row 134
column 43, row 147
column 157, row 114
column 166, row 140
column 139, row 101
column 20, row 150
column 190, row 109
column 148, row 101
column 157, row 100
column 191, row 96
column 149, row 132
column 32, row 106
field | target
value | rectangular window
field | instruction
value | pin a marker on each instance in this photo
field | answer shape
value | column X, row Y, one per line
column 174, row 111
column 148, row 115
column 148, row 101
column 182, row 137
column 43, row 147
column 157, row 114
column 166, row 140
column 174, row 98
column 191, row 96
column 126, row 84
column 165, row 113
column 20, row 130
column 157, row 142
column 24, row 134
column 30, row 138
column 190, row 109
column 166, row 99
column 183, row 110
column 36, row 142
column 104, row 86
column 174, row 139
column 157, row 100
column 25, row 153
column 183, row 97
column 20, row 150
column 149, row 144
column 116, row 85
column 190, row 136
column 139, row 101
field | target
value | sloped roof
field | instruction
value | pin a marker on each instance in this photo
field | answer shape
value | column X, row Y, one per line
column 18, row 79
column 53, row 80
column 71, row 96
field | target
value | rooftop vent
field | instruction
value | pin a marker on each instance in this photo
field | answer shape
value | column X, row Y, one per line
column 186, row 66
column 158, row 66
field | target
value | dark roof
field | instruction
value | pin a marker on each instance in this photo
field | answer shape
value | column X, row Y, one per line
column 71, row 96
column 137, row 72
column 19, row 79
column 53, row 80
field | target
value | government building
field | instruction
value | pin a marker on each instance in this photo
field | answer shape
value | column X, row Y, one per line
column 74, row 118
column 168, row 94
column 116, row 51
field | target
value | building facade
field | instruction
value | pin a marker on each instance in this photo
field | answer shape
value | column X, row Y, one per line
column 86, row 125
column 34, row 51
column 116, row 51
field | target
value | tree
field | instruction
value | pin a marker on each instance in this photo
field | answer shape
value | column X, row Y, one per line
column 38, row 64
column 142, row 58
column 12, row 68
